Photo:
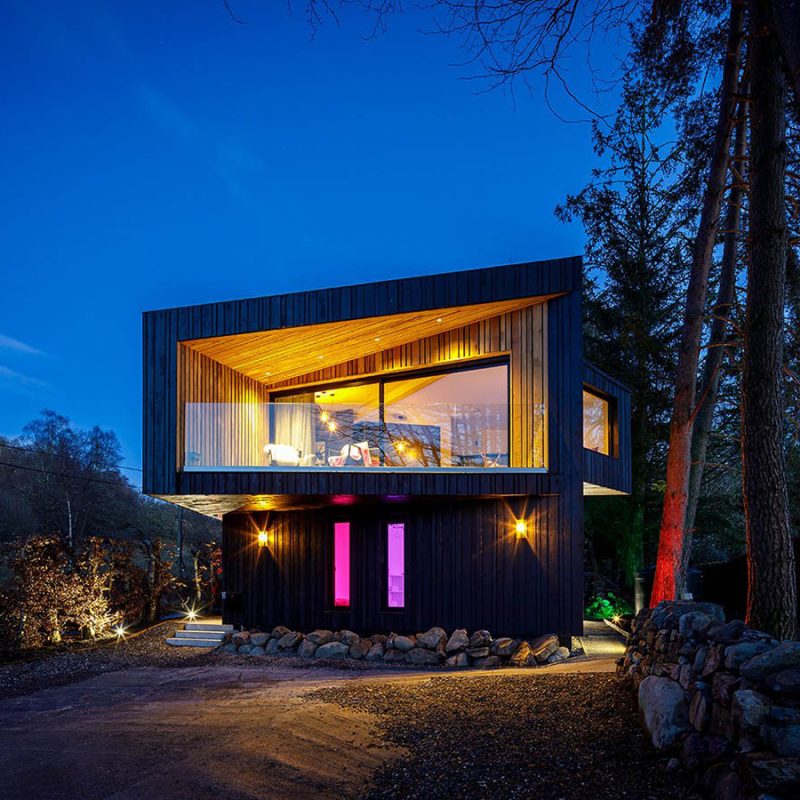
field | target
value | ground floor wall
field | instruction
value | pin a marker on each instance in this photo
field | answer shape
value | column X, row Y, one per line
column 465, row 567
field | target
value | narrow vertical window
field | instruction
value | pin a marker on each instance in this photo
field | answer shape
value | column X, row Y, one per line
column 341, row 564
column 395, row 565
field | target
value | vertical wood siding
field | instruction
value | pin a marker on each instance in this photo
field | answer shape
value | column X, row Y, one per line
column 222, row 416
column 464, row 568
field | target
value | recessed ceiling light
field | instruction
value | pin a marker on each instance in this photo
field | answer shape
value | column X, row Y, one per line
column 267, row 374
column 320, row 357
column 438, row 319
column 377, row 338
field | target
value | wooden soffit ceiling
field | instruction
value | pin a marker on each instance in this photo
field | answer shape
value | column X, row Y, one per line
column 277, row 355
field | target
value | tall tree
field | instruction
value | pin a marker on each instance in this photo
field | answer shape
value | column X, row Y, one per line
column 772, row 592
column 669, row 577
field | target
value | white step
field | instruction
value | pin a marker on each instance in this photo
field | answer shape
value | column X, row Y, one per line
column 200, row 635
column 193, row 642
column 212, row 627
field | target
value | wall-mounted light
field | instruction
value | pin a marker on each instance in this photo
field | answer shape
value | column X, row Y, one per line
column 521, row 528
column 263, row 538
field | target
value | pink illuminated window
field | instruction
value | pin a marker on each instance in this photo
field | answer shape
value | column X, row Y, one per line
column 341, row 564
column 396, row 568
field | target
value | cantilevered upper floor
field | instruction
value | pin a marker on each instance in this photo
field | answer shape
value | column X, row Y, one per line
column 462, row 383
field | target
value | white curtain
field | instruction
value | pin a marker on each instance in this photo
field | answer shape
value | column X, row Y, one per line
column 294, row 422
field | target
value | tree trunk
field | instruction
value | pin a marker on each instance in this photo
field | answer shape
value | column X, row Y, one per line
column 787, row 29
column 671, row 538
column 709, row 384
column 771, row 593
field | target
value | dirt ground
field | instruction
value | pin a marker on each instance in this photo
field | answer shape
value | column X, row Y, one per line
column 242, row 731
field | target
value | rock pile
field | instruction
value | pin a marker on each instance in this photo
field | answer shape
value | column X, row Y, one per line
column 724, row 696
column 431, row 648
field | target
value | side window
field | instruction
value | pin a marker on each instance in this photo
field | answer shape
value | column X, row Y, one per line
column 596, row 423
column 395, row 565
column 341, row 564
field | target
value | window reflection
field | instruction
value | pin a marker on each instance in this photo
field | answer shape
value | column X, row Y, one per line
column 596, row 423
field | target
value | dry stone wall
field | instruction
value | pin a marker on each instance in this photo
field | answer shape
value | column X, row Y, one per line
column 723, row 696
column 434, row 647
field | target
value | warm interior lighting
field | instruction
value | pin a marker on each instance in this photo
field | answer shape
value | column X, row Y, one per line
column 331, row 426
column 439, row 319
column 263, row 538
column 324, row 416
column 521, row 528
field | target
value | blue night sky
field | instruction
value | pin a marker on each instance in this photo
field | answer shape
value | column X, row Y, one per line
column 158, row 154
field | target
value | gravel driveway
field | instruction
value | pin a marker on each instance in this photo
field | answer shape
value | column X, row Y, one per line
column 203, row 726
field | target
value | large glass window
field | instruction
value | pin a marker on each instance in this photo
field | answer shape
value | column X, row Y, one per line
column 395, row 565
column 341, row 564
column 449, row 419
column 455, row 419
column 596, row 423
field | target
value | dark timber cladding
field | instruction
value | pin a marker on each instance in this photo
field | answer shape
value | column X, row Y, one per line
column 468, row 568
column 614, row 471
column 465, row 567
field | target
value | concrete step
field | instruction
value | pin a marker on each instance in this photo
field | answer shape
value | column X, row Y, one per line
column 212, row 627
column 218, row 636
column 193, row 642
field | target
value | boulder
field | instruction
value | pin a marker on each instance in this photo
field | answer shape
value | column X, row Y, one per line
column 457, row 660
column 259, row 639
column 348, row 637
column 458, row 641
column 375, row 652
column 738, row 654
column 480, row 639
column 700, row 710
column 244, row 649
column 730, row 632
column 724, row 684
column 695, row 623
column 332, row 650
column 230, row 647
column 320, row 636
column 750, row 708
column 663, row 710
column 290, row 640
column 272, row 648
column 490, row 662
column 477, row 652
column 257, row 651
column 432, row 639
column 785, row 682
column 279, row 631
column 505, row 647
column 241, row 637
column 544, row 646
column 524, row 656
column 421, row 656
column 775, row 659
column 784, row 740
column 769, row 772
column 378, row 638
column 394, row 657
column 561, row 654
column 360, row 648
column 307, row 648
column 403, row 643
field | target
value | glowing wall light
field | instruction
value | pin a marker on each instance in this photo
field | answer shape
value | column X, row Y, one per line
column 263, row 538
column 521, row 528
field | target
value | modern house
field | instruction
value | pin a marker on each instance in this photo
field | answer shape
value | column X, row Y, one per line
column 393, row 455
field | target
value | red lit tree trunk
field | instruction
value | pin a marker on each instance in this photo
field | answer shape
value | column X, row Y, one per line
column 669, row 563
column 771, row 595
column 709, row 383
